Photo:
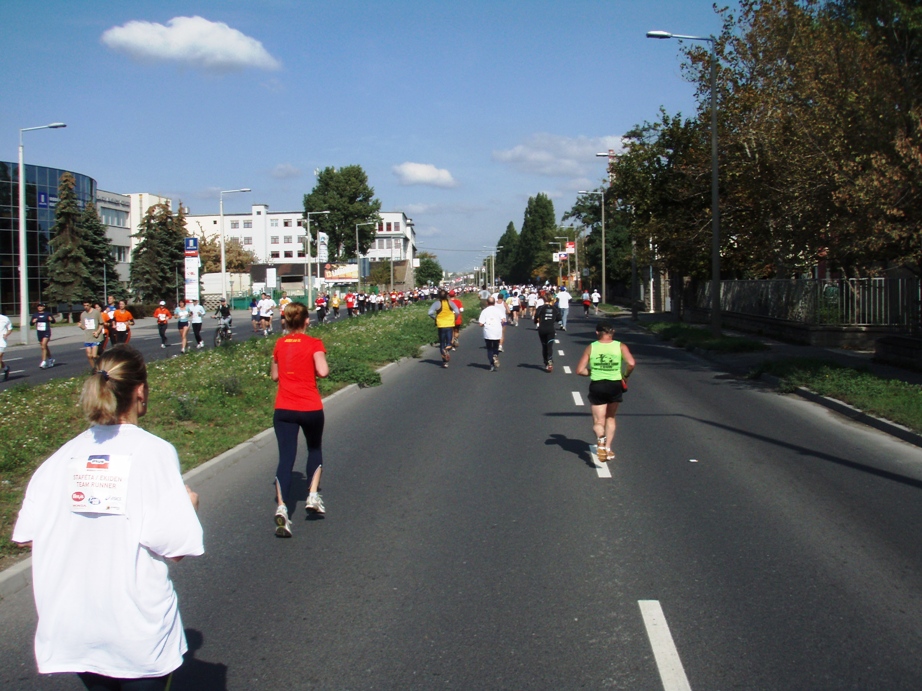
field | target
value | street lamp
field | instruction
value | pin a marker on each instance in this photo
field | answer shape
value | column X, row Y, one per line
column 310, row 276
column 602, row 193
column 23, row 264
column 558, row 260
column 493, row 261
column 358, row 257
column 221, row 235
column 715, row 205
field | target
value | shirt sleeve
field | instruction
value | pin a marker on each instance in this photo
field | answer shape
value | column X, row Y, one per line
column 170, row 527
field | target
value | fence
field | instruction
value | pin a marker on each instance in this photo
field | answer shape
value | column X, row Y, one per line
column 852, row 302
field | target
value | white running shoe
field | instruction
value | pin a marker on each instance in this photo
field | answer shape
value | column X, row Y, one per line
column 501, row 348
column 43, row 365
column 283, row 525
column 200, row 345
column 163, row 345
column 315, row 503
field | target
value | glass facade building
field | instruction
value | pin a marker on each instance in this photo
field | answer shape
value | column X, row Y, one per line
column 41, row 198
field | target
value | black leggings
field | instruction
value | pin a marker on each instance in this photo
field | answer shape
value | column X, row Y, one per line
column 97, row 682
column 547, row 347
column 287, row 423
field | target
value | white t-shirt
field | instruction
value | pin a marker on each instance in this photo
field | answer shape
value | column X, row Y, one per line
column 265, row 307
column 596, row 296
column 563, row 300
column 5, row 327
column 104, row 597
column 491, row 319
column 532, row 300
column 197, row 312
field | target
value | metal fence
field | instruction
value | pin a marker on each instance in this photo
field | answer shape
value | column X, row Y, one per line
column 853, row 301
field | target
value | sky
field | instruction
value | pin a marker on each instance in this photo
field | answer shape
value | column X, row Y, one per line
column 457, row 111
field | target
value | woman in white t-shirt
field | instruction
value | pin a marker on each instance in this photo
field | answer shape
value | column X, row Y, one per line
column 103, row 516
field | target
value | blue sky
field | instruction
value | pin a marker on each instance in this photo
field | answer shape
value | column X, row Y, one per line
column 458, row 112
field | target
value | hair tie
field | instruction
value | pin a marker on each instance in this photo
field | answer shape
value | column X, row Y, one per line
column 104, row 375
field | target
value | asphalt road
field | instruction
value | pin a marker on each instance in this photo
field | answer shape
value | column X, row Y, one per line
column 741, row 540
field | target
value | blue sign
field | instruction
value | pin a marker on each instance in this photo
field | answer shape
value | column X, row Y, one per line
column 42, row 200
column 191, row 244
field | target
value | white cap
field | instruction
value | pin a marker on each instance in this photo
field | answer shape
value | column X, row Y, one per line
column 163, row 302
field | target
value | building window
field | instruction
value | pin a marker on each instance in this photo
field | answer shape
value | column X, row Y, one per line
column 274, row 255
column 120, row 253
column 300, row 223
column 247, row 240
column 289, row 254
column 248, row 224
column 259, row 213
column 274, row 222
column 301, row 254
column 381, row 227
column 287, row 239
column 274, row 240
column 287, row 223
column 388, row 227
column 397, row 227
column 235, row 225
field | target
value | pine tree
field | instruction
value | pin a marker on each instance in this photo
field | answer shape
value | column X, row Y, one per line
column 100, row 262
column 538, row 229
column 505, row 257
column 68, row 277
column 157, row 258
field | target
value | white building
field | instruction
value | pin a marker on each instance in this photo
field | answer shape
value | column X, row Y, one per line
column 276, row 237
column 121, row 214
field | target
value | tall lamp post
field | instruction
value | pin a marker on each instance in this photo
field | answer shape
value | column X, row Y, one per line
column 358, row 254
column 715, row 205
column 221, row 236
column 558, row 261
column 602, row 193
column 23, row 257
column 310, row 273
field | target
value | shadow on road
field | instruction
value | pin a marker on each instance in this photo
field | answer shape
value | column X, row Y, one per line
column 198, row 674
column 577, row 447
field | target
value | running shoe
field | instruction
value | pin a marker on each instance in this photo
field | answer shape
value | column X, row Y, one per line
column 501, row 348
column 283, row 525
column 200, row 345
column 444, row 365
column 6, row 373
column 163, row 345
column 43, row 365
column 315, row 504
column 51, row 362
column 550, row 366
column 492, row 368
column 496, row 361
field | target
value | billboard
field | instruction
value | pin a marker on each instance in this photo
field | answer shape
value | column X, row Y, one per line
column 341, row 273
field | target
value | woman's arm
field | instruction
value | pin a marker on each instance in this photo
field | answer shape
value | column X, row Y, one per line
column 321, row 366
column 628, row 360
column 274, row 371
column 582, row 367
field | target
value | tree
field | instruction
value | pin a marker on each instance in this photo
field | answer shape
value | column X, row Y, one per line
column 103, row 273
column 506, row 255
column 236, row 258
column 429, row 271
column 68, row 277
column 156, row 263
column 538, row 229
column 346, row 194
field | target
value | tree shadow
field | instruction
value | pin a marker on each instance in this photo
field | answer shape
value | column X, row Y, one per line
column 577, row 447
column 197, row 674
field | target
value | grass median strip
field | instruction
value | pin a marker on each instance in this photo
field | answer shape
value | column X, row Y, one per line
column 689, row 336
column 895, row 400
column 203, row 403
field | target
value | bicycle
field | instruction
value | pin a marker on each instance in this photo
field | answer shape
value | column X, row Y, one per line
column 223, row 334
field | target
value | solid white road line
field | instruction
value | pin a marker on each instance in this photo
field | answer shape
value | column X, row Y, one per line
column 670, row 667
column 601, row 469
column 577, row 399
column 566, row 370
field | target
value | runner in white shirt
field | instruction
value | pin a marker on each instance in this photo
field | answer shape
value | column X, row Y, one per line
column 265, row 306
column 563, row 304
column 103, row 516
column 6, row 328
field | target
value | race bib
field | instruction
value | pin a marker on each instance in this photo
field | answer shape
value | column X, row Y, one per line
column 99, row 484
column 90, row 324
column 41, row 326
column 162, row 317
column 121, row 326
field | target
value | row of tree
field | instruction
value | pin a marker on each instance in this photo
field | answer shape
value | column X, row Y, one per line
column 820, row 149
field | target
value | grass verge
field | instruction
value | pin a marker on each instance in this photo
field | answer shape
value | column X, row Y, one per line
column 688, row 336
column 203, row 403
column 894, row 400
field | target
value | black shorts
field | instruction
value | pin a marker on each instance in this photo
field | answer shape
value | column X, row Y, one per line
column 605, row 391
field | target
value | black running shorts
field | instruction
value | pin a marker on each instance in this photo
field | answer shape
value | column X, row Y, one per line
column 605, row 391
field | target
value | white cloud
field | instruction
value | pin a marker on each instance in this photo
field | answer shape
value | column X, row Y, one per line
column 558, row 156
column 423, row 174
column 191, row 41
column 285, row 171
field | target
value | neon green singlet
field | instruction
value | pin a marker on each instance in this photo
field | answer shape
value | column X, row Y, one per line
column 605, row 361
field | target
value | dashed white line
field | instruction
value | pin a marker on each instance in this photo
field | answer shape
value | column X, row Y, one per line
column 671, row 672
column 560, row 353
column 566, row 370
column 577, row 399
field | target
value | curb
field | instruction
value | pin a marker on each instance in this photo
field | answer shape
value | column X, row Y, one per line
column 19, row 576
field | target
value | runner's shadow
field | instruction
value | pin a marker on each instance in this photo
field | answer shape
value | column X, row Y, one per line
column 477, row 365
column 529, row 366
column 577, row 447
column 198, row 674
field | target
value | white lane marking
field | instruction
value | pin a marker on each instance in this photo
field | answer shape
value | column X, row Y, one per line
column 566, row 370
column 560, row 353
column 668, row 663
column 577, row 399
column 601, row 469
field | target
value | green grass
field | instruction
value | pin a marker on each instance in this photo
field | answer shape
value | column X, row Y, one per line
column 894, row 400
column 203, row 403
column 688, row 336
